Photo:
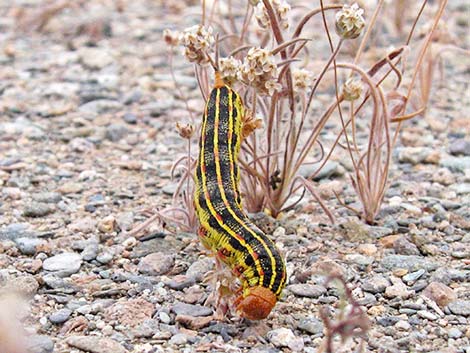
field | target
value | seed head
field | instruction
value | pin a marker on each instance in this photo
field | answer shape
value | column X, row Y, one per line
column 281, row 8
column 349, row 21
column 352, row 89
column 303, row 79
column 171, row 38
column 197, row 41
column 185, row 131
column 260, row 71
column 229, row 69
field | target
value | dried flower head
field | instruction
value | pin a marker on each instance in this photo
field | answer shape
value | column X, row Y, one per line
column 185, row 131
column 260, row 71
column 349, row 21
column 229, row 69
column 197, row 41
column 171, row 38
column 302, row 80
column 352, row 89
column 281, row 8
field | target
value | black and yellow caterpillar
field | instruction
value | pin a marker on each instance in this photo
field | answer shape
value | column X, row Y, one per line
column 224, row 227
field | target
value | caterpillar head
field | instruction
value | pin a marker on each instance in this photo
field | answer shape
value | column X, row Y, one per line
column 256, row 303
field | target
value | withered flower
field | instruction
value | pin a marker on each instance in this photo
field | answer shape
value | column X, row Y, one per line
column 349, row 21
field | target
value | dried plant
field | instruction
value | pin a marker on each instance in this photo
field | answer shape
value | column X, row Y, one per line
column 266, row 57
column 350, row 322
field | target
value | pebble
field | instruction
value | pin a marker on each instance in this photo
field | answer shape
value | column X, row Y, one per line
column 29, row 246
column 47, row 197
column 307, row 290
column 94, row 344
column 39, row 344
column 311, row 325
column 398, row 289
column 440, row 293
column 191, row 310
column 403, row 325
column 375, row 284
column 412, row 277
column 460, row 147
column 95, row 58
column 456, row 164
column 410, row 262
column 156, row 264
column 90, row 252
column 179, row 339
column 460, row 307
column 403, row 247
column 25, row 285
column 116, row 132
column 63, row 265
column 454, row 332
column 427, row 315
column 38, row 209
column 198, row 269
column 284, row 337
column 60, row 316
column 70, row 188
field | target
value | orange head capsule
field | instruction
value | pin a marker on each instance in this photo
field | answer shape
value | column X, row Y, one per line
column 257, row 304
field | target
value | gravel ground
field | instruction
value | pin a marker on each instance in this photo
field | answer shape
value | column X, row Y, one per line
column 87, row 141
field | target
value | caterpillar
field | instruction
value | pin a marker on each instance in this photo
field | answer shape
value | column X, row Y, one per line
column 224, row 227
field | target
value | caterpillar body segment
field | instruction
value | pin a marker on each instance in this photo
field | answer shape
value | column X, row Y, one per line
column 225, row 229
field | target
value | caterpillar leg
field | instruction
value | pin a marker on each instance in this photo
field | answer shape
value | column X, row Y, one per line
column 256, row 303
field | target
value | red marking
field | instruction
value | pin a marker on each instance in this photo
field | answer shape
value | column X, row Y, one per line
column 238, row 270
column 255, row 255
column 203, row 168
column 223, row 253
column 219, row 217
column 202, row 232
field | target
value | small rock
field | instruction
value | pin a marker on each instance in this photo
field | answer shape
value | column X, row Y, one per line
column 64, row 264
column 60, row 316
column 460, row 307
column 404, row 247
column 156, row 264
column 440, row 293
column 190, row 309
column 38, row 209
column 456, row 164
column 412, row 277
column 91, row 251
column 147, row 329
column 130, row 118
column 105, row 257
column 95, row 344
column 367, row 249
column 454, row 332
column 24, row 284
column 427, row 315
column 39, row 344
column 329, row 268
column 410, row 262
column 375, row 284
column 413, row 155
column 70, row 188
column 116, row 132
column 460, row 147
column 29, row 246
column 107, row 224
column 307, row 290
column 403, row 325
column 179, row 339
column 47, row 197
column 95, row 58
column 398, row 289
column 443, row 176
column 284, row 337
column 198, row 269
column 311, row 325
